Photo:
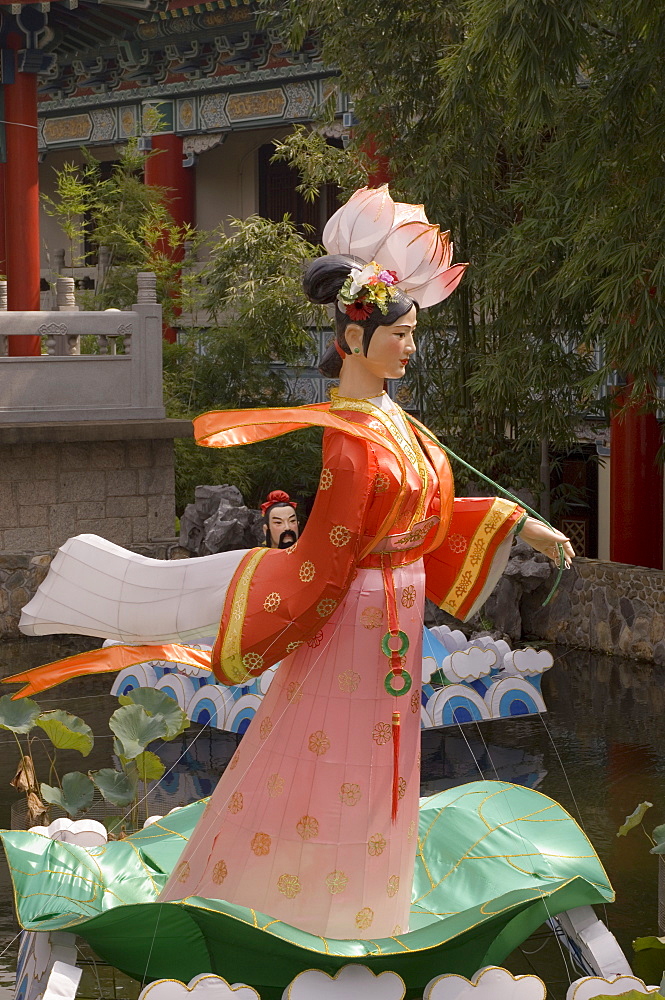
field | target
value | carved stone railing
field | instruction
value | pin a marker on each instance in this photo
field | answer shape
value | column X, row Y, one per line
column 122, row 379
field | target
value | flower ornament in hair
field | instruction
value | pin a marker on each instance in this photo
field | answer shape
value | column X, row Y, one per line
column 366, row 288
column 372, row 226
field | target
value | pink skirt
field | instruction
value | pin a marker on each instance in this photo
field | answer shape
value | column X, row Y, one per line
column 299, row 826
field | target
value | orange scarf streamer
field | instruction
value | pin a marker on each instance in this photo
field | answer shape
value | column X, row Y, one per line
column 109, row 660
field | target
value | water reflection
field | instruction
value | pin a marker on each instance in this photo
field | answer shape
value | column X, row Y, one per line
column 597, row 752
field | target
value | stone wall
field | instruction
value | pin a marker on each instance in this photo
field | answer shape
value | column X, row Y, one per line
column 123, row 490
column 106, row 478
column 113, row 478
column 603, row 606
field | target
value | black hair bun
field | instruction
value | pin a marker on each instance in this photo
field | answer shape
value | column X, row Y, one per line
column 325, row 276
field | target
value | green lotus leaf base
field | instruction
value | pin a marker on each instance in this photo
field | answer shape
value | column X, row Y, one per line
column 494, row 862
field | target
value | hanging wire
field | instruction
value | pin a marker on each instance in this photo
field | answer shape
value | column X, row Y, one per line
column 516, row 825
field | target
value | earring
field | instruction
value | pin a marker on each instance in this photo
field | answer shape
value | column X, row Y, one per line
column 356, row 350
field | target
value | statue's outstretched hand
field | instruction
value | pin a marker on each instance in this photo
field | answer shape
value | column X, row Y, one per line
column 547, row 540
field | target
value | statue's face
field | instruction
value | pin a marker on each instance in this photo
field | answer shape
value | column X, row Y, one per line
column 282, row 526
column 389, row 349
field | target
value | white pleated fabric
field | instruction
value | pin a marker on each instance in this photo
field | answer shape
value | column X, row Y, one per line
column 96, row 588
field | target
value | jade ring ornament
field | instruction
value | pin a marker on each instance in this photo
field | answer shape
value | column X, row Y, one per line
column 388, row 650
column 390, row 680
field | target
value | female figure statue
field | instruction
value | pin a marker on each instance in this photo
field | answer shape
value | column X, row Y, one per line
column 314, row 822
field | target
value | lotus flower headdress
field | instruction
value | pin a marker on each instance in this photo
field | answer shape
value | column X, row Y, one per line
column 374, row 228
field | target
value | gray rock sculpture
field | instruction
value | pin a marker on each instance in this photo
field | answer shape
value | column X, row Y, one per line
column 525, row 572
column 219, row 521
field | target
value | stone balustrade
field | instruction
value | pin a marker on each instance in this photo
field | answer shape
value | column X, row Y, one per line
column 121, row 379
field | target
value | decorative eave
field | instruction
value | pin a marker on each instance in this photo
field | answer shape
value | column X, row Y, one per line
column 75, row 26
column 184, row 8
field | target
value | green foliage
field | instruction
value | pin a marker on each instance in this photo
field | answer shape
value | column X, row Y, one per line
column 148, row 766
column 659, row 839
column 115, row 786
column 254, row 293
column 532, row 131
column 157, row 703
column 67, row 732
column 135, row 729
column 320, row 163
column 75, row 795
column 648, row 960
column 254, row 284
column 133, row 223
column 635, row 818
column 18, row 716
column 144, row 715
column 74, row 196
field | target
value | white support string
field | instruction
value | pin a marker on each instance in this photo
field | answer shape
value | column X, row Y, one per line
column 516, row 825
column 527, row 858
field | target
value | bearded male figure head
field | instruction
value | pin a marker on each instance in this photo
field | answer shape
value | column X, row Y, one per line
column 280, row 522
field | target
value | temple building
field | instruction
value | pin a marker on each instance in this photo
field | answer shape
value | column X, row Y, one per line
column 223, row 90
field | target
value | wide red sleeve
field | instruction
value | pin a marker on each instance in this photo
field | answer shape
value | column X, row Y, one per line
column 280, row 598
column 464, row 569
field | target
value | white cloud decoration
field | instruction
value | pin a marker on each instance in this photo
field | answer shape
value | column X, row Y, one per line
column 202, row 987
column 352, row 982
column 491, row 983
column 84, row 832
column 451, row 639
column 614, row 986
column 527, row 662
column 469, row 664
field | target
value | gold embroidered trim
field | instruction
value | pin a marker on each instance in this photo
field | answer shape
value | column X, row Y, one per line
column 275, row 785
column 376, row 845
column 289, row 885
column 364, row 918
column 261, row 843
column 350, row 793
column 348, row 681
column 407, row 442
column 326, row 479
column 469, row 572
column 318, row 743
column 219, row 872
column 336, row 881
column 307, row 827
column 231, row 659
column 382, row 733
column 371, row 618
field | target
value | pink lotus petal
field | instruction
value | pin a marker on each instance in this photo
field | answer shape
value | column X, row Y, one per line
column 409, row 213
column 373, row 221
column 398, row 236
column 360, row 224
column 438, row 288
column 331, row 232
column 429, row 269
column 411, row 246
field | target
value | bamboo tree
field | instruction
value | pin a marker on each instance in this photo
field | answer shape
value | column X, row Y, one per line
column 532, row 129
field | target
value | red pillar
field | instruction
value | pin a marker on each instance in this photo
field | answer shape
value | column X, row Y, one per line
column 22, row 199
column 3, row 251
column 636, row 488
column 379, row 171
column 164, row 169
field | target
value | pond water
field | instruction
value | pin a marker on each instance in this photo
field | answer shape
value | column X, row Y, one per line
column 597, row 752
